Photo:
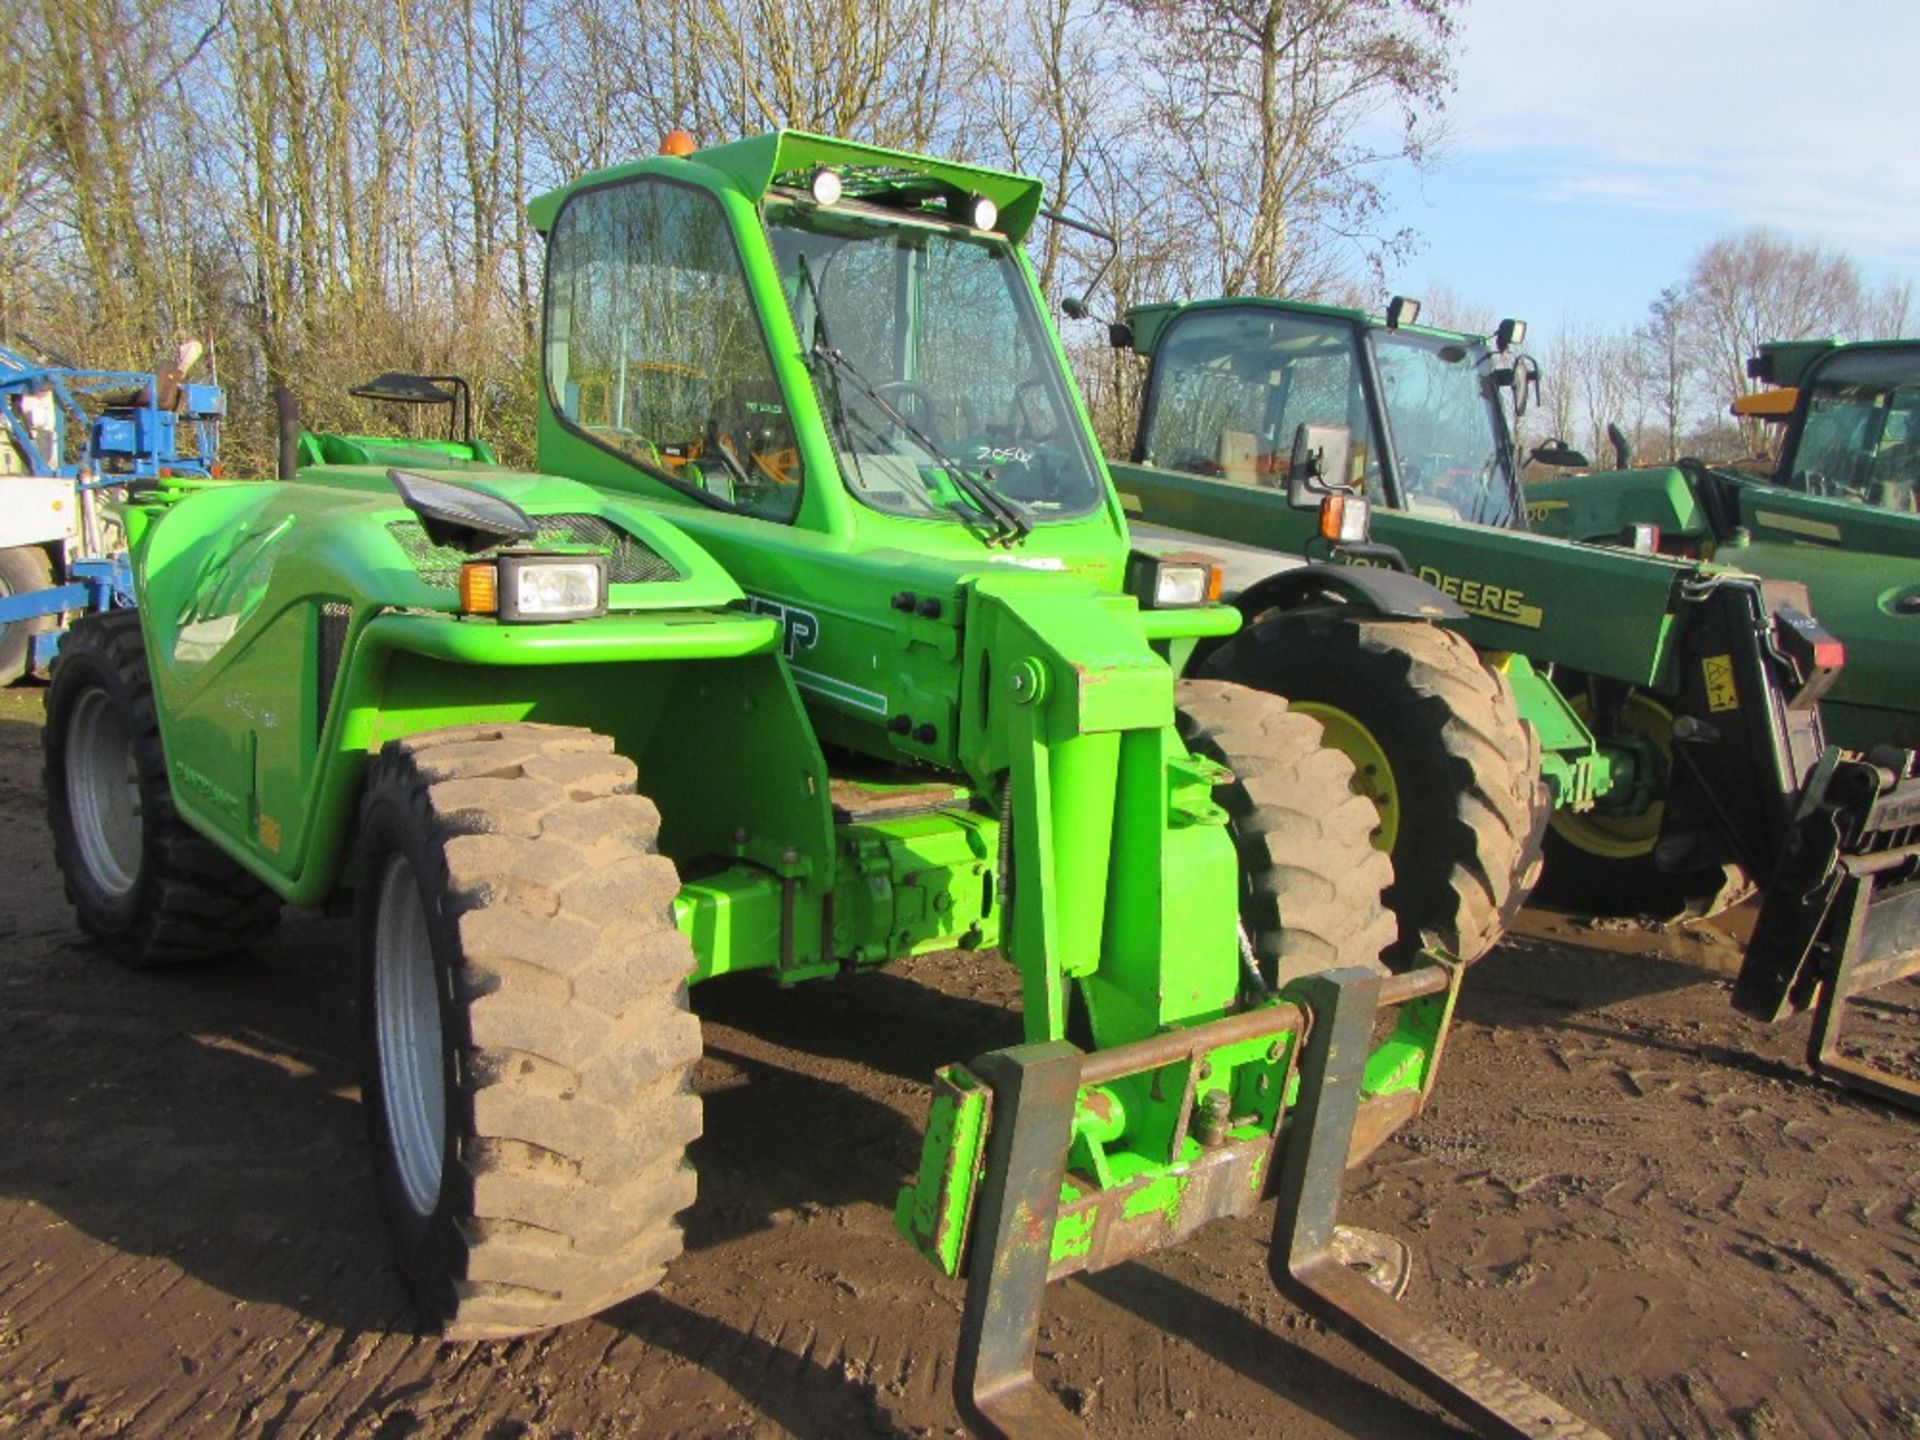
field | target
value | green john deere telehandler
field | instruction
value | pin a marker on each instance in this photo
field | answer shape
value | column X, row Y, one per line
column 1677, row 700
column 1839, row 513
column 813, row 663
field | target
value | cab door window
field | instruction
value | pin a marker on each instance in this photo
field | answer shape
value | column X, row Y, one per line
column 1233, row 387
column 655, row 352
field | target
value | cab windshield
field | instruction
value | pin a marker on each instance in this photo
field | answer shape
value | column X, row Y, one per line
column 1442, row 410
column 937, row 375
column 1234, row 384
column 1861, row 436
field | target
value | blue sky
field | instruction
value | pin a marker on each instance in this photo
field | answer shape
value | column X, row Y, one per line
column 1596, row 145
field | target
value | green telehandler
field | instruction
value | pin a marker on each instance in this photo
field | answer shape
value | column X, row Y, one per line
column 1678, row 701
column 1838, row 513
column 806, row 666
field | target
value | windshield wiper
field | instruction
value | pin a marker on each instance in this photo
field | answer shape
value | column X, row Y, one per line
column 1008, row 524
column 836, row 404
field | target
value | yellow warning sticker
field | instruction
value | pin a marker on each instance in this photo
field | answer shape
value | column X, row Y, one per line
column 1721, row 694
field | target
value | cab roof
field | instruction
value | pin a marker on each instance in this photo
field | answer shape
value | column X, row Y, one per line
column 754, row 166
column 1148, row 321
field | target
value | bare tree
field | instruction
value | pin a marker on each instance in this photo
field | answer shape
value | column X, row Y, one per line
column 1443, row 305
column 1560, row 383
column 1274, row 110
column 1663, row 365
column 1758, row 286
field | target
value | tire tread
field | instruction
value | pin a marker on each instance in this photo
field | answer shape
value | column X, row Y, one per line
column 575, row 1073
column 1312, row 880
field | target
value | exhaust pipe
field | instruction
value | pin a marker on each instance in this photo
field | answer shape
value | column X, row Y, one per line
column 287, row 408
column 1622, row 447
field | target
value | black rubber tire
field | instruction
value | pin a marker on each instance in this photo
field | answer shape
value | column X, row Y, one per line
column 1466, row 767
column 1311, row 878
column 1583, row 883
column 23, row 570
column 1588, row 882
column 566, row 1043
column 188, row 901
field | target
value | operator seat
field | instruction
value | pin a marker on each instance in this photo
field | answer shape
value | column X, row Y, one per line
column 1239, row 456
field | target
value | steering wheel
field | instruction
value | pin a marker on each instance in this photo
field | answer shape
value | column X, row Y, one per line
column 928, row 406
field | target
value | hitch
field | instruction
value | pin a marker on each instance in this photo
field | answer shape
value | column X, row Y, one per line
column 1033, row 1221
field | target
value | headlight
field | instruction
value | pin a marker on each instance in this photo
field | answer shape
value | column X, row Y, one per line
column 1174, row 580
column 527, row 589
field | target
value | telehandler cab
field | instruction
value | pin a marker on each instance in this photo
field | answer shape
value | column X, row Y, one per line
column 813, row 663
column 1678, row 701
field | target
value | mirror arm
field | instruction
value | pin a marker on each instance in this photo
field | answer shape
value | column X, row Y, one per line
column 1077, row 307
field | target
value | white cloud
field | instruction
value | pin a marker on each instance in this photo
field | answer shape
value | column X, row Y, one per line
column 1767, row 112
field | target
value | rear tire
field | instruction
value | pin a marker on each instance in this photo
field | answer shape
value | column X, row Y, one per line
column 23, row 570
column 149, row 888
column 528, row 1047
column 1438, row 743
column 1311, row 878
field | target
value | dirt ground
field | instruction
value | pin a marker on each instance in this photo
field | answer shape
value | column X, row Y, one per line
column 1623, row 1192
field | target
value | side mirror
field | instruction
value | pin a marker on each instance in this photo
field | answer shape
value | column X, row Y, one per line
column 1560, row 455
column 1525, row 376
column 1321, row 457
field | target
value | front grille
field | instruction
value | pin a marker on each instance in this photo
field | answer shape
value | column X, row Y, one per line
column 630, row 561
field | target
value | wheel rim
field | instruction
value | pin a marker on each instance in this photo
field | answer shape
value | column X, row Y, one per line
column 406, row 1022
column 103, row 793
column 1372, row 772
column 1622, row 837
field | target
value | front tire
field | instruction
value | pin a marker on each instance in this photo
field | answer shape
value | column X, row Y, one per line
column 144, row 884
column 1311, row 879
column 1439, row 747
column 528, row 1048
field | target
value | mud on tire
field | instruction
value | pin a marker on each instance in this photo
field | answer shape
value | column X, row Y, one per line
column 150, row 889
column 1311, row 878
column 1465, row 766
column 528, row 1045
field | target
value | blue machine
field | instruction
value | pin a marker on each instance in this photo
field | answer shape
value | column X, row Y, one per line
column 70, row 435
column 133, row 422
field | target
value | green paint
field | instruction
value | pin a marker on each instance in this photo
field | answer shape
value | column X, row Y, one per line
column 934, row 1211
column 1532, row 597
column 1838, row 514
column 834, row 678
